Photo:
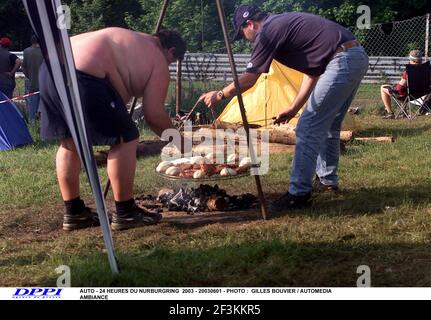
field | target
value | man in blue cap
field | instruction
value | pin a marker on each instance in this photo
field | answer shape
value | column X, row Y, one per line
column 333, row 63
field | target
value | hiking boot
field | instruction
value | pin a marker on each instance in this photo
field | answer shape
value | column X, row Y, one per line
column 318, row 186
column 86, row 219
column 388, row 115
column 291, row 202
column 137, row 217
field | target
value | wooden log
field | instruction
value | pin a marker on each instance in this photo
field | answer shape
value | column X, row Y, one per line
column 288, row 136
column 386, row 139
column 346, row 136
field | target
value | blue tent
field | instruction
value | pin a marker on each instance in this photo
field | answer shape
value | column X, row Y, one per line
column 13, row 129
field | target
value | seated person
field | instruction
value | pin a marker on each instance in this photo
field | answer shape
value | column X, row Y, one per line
column 399, row 90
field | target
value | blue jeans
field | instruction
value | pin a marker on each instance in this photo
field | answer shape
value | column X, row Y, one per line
column 318, row 131
column 33, row 106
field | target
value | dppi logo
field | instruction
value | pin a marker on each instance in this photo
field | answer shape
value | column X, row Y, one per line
column 37, row 293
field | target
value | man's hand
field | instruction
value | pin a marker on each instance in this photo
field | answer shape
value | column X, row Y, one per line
column 285, row 116
column 211, row 99
column 9, row 74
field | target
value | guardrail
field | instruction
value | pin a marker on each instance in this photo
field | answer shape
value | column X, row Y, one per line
column 216, row 67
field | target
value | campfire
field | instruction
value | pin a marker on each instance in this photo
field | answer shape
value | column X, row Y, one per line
column 205, row 198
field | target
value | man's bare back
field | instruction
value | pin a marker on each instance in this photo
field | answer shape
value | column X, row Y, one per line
column 126, row 58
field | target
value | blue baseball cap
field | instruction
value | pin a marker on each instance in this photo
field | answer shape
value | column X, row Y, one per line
column 240, row 16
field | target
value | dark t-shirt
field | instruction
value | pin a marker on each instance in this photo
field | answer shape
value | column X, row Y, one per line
column 32, row 61
column 301, row 41
column 7, row 62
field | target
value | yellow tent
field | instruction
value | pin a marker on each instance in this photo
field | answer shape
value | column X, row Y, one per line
column 271, row 93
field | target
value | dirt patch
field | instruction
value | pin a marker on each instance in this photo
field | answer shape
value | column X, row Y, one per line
column 46, row 224
column 182, row 220
column 31, row 223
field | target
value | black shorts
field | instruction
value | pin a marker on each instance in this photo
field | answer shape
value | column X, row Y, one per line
column 106, row 117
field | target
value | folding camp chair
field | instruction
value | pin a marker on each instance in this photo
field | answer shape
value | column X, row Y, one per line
column 418, row 92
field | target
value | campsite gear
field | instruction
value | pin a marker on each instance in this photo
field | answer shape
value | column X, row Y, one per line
column 135, row 218
column 418, row 92
column 291, row 202
column 271, row 93
column 56, row 48
column 86, row 219
column 190, row 175
column 13, row 129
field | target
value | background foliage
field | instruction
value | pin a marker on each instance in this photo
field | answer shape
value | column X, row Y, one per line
column 196, row 19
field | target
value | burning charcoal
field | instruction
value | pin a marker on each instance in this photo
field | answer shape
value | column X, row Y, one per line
column 216, row 204
column 244, row 201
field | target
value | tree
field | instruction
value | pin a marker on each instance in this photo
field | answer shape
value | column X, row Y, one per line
column 197, row 20
column 90, row 15
column 14, row 24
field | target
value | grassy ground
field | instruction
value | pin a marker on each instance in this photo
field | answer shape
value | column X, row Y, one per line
column 381, row 219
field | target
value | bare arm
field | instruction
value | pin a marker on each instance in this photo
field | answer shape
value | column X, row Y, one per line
column 17, row 65
column 154, row 106
column 246, row 81
column 154, row 101
column 307, row 86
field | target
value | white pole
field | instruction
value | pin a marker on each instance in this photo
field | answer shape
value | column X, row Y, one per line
column 427, row 35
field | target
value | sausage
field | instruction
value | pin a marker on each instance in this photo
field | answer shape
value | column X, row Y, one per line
column 208, row 169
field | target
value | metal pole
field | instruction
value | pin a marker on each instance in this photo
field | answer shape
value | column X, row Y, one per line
column 178, row 88
column 222, row 18
column 427, row 36
column 135, row 100
column 161, row 16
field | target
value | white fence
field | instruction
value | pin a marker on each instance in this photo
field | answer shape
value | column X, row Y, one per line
column 216, row 67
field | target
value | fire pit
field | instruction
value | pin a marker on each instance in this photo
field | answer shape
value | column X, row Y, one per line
column 205, row 198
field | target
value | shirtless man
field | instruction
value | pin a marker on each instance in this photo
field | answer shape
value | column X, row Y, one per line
column 113, row 65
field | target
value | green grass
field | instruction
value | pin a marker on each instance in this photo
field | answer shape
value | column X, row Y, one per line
column 381, row 219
